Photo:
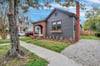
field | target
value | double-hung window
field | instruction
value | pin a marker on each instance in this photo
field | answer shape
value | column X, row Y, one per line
column 56, row 25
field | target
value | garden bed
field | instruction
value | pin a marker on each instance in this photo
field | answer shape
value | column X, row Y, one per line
column 52, row 45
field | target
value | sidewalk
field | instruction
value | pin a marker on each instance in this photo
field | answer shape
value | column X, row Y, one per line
column 4, row 44
column 55, row 59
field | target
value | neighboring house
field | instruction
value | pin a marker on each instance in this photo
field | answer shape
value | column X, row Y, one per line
column 24, row 23
column 19, row 28
column 25, row 27
column 30, row 28
column 58, row 24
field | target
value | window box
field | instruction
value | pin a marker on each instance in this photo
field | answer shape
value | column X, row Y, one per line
column 56, row 31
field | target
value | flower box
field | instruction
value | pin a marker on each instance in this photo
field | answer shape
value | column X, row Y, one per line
column 56, row 31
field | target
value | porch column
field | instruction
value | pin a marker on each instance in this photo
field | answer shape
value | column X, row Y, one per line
column 44, row 29
column 33, row 31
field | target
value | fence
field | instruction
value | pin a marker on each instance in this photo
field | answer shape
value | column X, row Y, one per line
column 86, row 32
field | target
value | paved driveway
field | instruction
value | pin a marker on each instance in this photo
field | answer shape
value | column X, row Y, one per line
column 85, row 52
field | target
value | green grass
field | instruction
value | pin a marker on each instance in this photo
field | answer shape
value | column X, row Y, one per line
column 4, row 41
column 52, row 45
column 90, row 37
column 25, row 38
column 31, row 59
column 36, row 61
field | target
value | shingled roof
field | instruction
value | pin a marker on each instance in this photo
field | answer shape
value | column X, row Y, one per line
column 56, row 9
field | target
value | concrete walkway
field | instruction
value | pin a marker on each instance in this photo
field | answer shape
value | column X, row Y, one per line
column 4, row 44
column 55, row 59
column 85, row 52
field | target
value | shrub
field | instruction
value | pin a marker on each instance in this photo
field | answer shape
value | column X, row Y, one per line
column 61, row 38
column 57, row 38
column 46, row 37
column 97, row 34
column 39, row 38
column 49, row 37
column 53, row 37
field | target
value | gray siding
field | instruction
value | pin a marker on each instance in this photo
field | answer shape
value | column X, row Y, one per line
column 67, row 25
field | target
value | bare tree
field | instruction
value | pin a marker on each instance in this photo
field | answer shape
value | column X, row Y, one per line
column 93, row 12
column 3, row 22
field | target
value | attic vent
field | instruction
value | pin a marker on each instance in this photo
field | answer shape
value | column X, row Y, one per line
column 55, row 13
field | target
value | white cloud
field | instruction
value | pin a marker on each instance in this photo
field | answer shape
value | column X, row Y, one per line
column 45, row 8
column 88, row 7
column 48, row 8
column 59, row 6
column 82, row 13
column 72, row 7
column 94, row 1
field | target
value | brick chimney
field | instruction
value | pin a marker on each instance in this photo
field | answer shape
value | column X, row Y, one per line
column 78, row 21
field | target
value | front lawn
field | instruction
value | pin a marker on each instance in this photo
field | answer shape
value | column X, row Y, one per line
column 89, row 37
column 52, row 45
column 31, row 59
column 4, row 41
column 25, row 38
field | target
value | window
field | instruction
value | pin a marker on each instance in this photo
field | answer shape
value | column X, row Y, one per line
column 56, row 25
column 59, row 25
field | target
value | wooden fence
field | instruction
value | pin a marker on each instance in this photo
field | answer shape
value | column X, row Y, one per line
column 86, row 32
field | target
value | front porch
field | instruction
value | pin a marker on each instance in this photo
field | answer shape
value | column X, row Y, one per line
column 39, row 30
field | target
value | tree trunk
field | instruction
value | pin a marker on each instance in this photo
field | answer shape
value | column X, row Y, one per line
column 14, row 39
column 13, row 35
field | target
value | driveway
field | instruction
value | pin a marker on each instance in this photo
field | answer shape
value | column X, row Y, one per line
column 85, row 52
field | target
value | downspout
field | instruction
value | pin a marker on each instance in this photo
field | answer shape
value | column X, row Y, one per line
column 78, row 21
column 73, row 28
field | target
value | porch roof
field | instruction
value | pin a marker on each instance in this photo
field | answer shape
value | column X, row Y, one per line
column 42, row 20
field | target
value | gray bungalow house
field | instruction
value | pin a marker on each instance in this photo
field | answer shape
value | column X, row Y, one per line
column 58, row 24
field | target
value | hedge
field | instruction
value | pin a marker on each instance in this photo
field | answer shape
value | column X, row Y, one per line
column 97, row 34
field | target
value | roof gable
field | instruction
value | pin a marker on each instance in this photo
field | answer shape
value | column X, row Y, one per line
column 70, row 14
column 65, row 12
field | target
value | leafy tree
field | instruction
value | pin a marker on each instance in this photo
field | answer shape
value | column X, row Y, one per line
column 92, row 24
column 98, row 26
